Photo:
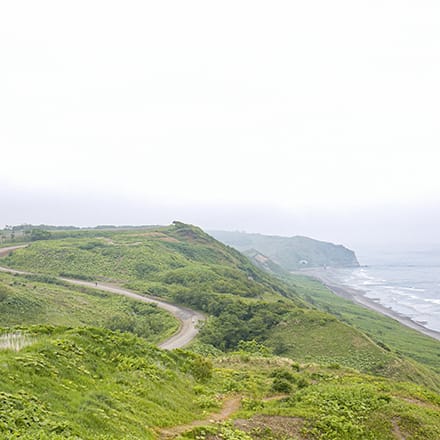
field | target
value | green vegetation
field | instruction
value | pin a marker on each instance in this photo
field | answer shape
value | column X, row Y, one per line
column 322, row 403
column 76, row 363
column 185, row 265
column 160, row 262
column 90, row 383
column 29, row 300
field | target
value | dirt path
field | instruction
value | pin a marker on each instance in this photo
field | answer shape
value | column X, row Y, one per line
column 187, row 318
column 230, row 406
column 396, row 431
column 5, row 251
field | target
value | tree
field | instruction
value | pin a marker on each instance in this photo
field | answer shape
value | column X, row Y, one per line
column 40, row 234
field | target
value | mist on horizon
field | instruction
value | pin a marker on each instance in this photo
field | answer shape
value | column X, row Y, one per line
column 291, row 118
column 363, row 230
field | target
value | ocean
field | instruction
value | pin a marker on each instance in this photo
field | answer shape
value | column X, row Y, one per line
column 406, row 282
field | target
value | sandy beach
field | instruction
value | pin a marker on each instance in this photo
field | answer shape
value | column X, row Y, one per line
column 358, row 296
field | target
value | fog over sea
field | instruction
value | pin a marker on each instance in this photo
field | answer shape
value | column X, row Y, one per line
column 406, row 282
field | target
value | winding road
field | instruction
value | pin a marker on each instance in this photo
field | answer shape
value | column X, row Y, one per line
column 187, row 318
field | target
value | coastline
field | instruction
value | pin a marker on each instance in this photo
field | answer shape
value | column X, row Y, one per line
column 358, row 296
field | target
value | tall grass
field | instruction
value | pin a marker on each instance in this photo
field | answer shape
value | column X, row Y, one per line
column 15, row 341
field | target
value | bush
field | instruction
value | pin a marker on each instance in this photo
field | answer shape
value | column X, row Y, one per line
column 4, row 292
column 253, row 347
column 40, row 234
column 281, row 386
column 281, row 373
column 201, row 369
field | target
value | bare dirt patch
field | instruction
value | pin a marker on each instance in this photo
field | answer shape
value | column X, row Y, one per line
column 419, row 402
column 158, row 235
column 279, row 427
column 398, row 434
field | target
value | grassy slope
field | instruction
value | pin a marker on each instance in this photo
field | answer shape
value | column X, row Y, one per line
column 95, row 384
column 25, row 301
column 183, row 263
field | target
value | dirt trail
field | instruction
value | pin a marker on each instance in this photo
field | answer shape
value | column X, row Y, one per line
column 230, row 406
column 7, row 250
column 397, row 432
column 187, row 318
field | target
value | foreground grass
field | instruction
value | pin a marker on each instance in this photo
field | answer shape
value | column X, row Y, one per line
column 322, row 403
column 92, row 383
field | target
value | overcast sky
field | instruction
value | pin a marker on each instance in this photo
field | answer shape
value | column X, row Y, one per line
column 293, row 117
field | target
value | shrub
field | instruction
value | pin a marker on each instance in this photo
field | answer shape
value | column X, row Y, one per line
column 282, row 373
column 201, row 369
column 281, row 386
column 4, row 292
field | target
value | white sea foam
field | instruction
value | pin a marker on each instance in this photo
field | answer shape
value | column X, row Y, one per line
column 413, row 291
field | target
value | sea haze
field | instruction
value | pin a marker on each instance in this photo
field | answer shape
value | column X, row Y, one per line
column 406, row 282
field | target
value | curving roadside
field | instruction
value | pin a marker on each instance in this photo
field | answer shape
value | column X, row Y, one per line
column 187, row 318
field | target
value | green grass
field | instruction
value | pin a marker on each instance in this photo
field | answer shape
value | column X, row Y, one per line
column 90, row 383
column 159, row 262
column 327, row 402
column 25, row 301
column 311, row 336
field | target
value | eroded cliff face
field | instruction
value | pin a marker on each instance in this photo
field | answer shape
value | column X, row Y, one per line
column 290, row 253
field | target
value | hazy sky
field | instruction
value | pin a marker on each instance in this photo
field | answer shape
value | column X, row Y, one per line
column 293, row 117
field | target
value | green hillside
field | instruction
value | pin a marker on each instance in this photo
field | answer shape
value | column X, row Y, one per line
column 290, row 252
column 161, row 262
column 183, row 264
column 76, row 363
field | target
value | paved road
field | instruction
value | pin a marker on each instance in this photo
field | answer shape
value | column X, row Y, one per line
column 188, row 318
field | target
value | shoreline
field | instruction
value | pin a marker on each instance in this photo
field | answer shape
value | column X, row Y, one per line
column 358, row 297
